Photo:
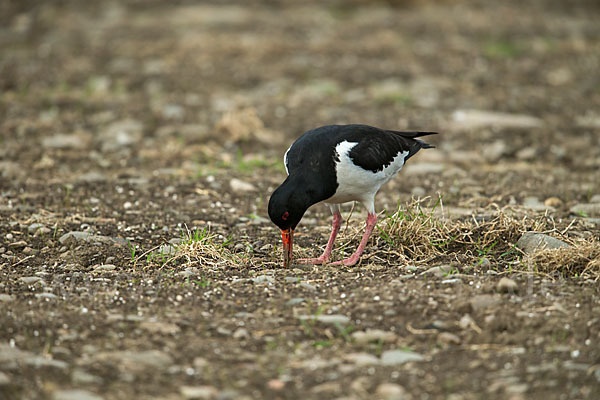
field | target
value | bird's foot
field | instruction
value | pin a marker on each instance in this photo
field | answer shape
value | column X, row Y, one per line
column 348, row 261
column 315, row 261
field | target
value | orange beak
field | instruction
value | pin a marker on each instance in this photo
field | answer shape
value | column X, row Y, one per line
column 288, row 240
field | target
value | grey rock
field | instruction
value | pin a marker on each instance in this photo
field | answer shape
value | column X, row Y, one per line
column 75, row 394
column 137, row 362
column 30, row 280
column 448, row 338
column 81, row 377
column 90, row 238
column 6, row 298
column 92, row 177
column 507, row 285
column 294, row 301
column 534, row 203
column 396, row 357
column 120, row 134
column 291, row 279
column 43, row 362
column 473, row 119
column 33, row 228
column 326, row 319
column 240, row 186
column 4, row 379
column 48, row 296
column 595, row 198
column 240, row 333
column 391, row 391
column 439, row 271
column 65, row 141
column 374, row 335
column 105, row 268
column 308, row 286
column 198, row 392
column 531, row 242
column 263, row 279
column 586, row 209
column 361, row 358
column 483, row 301
column 495, row 151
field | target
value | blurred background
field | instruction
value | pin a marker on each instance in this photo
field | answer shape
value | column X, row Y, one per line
column 184, row 87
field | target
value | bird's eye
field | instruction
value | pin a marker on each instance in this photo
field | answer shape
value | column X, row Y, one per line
column 285, row 216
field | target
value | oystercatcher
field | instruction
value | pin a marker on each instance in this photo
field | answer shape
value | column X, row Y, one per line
column 336, row 164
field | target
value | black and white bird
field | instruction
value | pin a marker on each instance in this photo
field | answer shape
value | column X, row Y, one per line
column 337, row 164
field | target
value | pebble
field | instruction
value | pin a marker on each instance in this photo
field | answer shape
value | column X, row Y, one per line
column 507, row 285
column 292, row 302
column 391, row 391
column 275, row 384
column 586, row 209
column 531, row 242
column 326, row 319
column 534, row 203
column 75, row 394
column 439, row 271
column 308, row 286
column 263, row 279
column 198, row 392
column 48, row 296
column 473, row 119
column 133, row 362
column 81, row 377
column 33, row 228
column 90, row 238
column 240, row 186
column 30, row 280
column 361, row 358
column 483, row 301
column 396, row 357
column 6, row 298
column 122, row 133
column 374, row 335
column 448, row 338
column 105, row 267
column 553, row 202
column 240, row 333
column 65, row 141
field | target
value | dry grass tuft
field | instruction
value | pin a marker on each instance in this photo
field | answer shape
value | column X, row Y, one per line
column 422, row 234
column 581, row 259
column 203, row 249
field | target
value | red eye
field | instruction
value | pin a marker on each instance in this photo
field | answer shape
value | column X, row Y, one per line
column 285, row 216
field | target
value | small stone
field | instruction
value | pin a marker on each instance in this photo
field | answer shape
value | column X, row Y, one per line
column 439, row 271
column 553, row 202
column 198, row 392
column 48, row 296
column 595, row 198
column 361, row 359
column 396, row 357
column 30, row 280
column 448, row 338
column 75, row 394
column 164, row 328
column 326, row 319
column 80, row 377
column 483, row 301
column 263, row 279
column 240, row 333
column 586, row 209
column 391, row 391
column 19, row 244
column 62, row 141
column 531, row 242
column 105, row 267
column 294, row 301
column 240, row 186
column 534, row 203
column 33, row 228
column 6, row 298
column 418, row 191
column 308, row 286
column 507, row 285
column 275, row 384
column 374, row 335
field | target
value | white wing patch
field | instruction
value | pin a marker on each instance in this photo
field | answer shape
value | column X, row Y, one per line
column 285, row 164
column 358, row 184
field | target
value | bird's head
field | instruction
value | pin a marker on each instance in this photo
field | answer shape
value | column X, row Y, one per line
column 287, row 205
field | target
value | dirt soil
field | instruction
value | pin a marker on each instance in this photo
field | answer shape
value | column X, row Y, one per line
column 153, row 133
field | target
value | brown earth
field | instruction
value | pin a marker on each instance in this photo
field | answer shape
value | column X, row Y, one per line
column 157, row 130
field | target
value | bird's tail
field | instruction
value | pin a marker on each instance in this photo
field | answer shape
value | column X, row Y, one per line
column 415, row 135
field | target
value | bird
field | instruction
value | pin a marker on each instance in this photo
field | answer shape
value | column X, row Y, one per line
column 336, row 164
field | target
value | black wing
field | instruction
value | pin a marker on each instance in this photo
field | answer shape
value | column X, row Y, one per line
column 377, row 148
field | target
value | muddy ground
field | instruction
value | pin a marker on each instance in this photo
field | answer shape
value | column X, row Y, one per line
column 157, row 132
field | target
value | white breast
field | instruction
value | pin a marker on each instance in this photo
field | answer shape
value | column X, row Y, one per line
column 358, row 184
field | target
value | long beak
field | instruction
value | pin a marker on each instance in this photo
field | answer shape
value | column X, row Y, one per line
column 288, row 239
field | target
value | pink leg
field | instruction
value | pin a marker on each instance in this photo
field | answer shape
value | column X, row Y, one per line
column 371, row 221
column 337, row 222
